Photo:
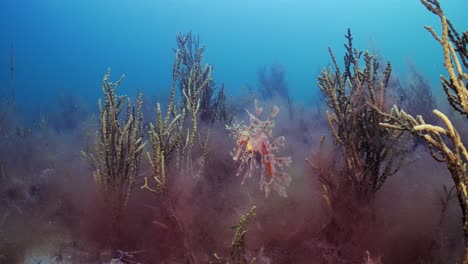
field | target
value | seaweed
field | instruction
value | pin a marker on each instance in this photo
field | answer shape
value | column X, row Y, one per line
column 118, row 149
column 237, row 250
column 371, row 154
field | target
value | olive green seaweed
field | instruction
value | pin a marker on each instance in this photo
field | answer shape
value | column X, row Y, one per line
column 118, row 149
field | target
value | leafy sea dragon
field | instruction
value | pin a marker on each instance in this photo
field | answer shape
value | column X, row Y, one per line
column 254, row 148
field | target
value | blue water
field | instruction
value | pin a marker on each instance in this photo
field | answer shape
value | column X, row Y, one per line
column 63, row 47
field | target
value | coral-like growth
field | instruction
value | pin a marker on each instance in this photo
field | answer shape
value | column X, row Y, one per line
column 254, row 147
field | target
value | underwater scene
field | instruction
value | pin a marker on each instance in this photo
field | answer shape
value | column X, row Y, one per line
column 233, row 132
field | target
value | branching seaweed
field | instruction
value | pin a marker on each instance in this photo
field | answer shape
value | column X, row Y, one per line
column 222, row 112
column 275, row 84
column 119, row 146
column 455, row 51
column 194, row 80
column 165, row 136
column 237, row 251
column 371, row 153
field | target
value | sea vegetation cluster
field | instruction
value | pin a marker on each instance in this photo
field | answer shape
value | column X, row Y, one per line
column 349, row 179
